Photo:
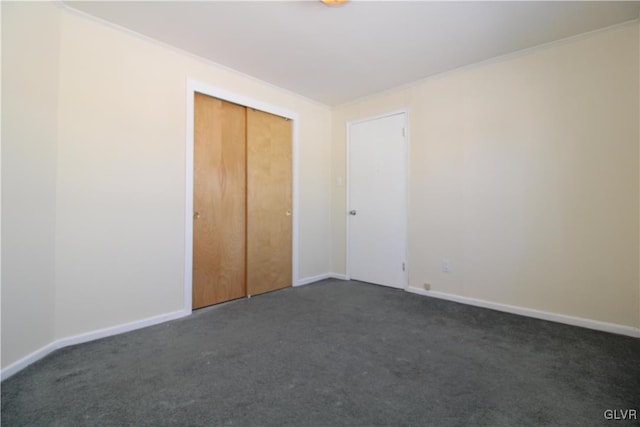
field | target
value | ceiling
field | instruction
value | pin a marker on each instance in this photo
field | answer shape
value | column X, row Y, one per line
column 334, row 55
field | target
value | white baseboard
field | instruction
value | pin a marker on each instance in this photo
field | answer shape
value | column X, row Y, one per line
column 120, row 329
column 127, row 327
column 106, row 332
column 312, row 279
column 319, row 277
column 19, row 365
column 529, row 312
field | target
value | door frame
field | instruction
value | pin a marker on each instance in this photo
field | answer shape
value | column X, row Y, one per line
column 194, row 87
column 349, row 124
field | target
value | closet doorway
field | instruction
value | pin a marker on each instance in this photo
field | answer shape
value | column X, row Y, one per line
column 242, row 201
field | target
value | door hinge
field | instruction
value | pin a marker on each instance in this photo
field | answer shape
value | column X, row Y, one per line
column 404, row 131
column 403, row 267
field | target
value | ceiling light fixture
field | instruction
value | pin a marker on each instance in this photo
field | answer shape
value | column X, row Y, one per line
column 334, row 2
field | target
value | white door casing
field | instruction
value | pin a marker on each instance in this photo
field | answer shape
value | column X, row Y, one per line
column 194, row 87
column 377, row 200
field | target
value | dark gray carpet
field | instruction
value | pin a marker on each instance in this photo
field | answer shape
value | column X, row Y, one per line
column 334, row 354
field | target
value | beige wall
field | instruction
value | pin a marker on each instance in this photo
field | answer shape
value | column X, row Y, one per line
column 29, row 138
column 121, row 185
column 113, row 178
column 524, row 173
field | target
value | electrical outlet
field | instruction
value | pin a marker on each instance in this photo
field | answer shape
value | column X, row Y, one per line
column 446, row 266
column 426, row 286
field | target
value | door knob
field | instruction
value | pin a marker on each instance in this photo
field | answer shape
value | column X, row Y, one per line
column 352, row 212
column 196, row 215
column 288, row 213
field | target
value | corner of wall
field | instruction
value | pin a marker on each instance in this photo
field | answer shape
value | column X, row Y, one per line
column 30, row 56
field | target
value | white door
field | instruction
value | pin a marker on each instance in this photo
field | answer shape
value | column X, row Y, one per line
column 377, row 211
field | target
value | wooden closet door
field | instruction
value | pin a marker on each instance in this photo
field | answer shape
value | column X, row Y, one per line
column 268, row 202
column 219, row 233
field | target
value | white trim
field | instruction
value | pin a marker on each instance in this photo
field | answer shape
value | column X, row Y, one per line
column 19, row 365
column 347, row 193
column 319, row 277
column 66, row 7
column 407, row 197
column 193, row 87
column 188, row 196
column 313, row 279
column 379, row 116
column 128, row 31
column 486, row 62
column 121, row 329
column 530, row 312
column 295, row 200
column 405, row 112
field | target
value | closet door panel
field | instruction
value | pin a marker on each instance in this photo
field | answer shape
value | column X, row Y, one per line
column 269, row 211
column 219, row 232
